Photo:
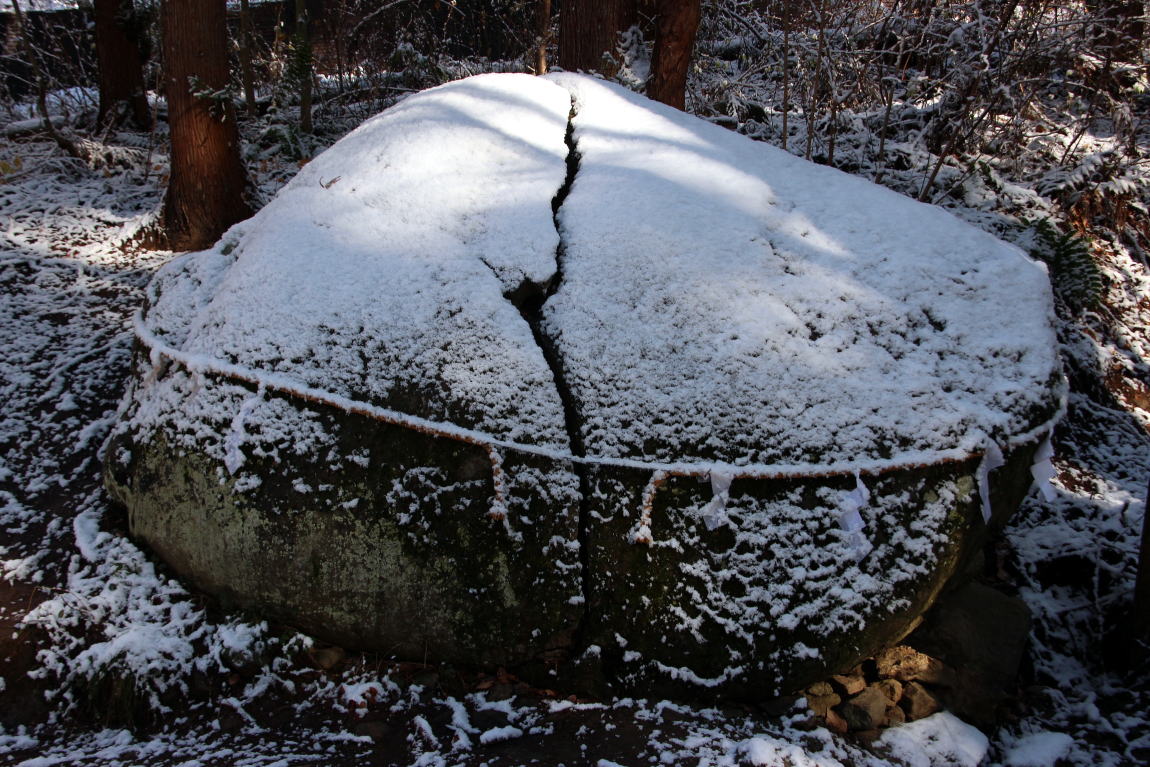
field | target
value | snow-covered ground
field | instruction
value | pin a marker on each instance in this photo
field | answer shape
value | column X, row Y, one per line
column 120, row 640
column 38, row 5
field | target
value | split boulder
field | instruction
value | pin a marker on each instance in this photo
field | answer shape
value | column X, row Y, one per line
column 534, row 371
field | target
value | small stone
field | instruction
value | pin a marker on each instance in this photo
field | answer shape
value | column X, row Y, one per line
column 907, row 664
column 835, row 722
column 851, row 684
column 374, row 729
column 327, row 658
column 820, row 689
column 918, row 702
column 865, row 710
column 485, row 719
column 242, row 661
column 820, row 704
column 199, row 682
column 501, row 691
column 894, row 716
column 856, row 718
column 773, row 706
column 230, row 721
column 891, row 688
column 426, row 678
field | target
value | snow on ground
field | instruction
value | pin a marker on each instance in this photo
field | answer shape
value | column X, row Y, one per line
column 68, row 295
column 255, row 694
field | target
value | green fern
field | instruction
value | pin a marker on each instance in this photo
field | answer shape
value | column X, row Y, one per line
column 1074, row 274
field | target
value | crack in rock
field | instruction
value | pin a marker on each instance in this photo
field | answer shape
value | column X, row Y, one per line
column 529, row 298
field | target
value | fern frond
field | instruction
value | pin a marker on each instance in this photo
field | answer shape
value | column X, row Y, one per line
column 1074, row 274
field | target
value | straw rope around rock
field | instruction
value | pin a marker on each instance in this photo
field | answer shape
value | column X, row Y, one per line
column 493, row 445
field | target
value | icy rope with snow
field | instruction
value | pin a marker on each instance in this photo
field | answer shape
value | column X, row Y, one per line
column 720, row 473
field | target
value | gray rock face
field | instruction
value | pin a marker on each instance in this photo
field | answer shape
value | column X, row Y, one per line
column 536, row 373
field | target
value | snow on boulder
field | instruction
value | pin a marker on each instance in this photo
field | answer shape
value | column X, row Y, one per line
column 534, row 371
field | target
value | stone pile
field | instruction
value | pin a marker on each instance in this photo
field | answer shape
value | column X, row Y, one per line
column 964, row 657
column 900, row 685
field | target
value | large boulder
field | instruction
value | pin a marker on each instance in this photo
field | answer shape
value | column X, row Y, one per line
column 534, row 371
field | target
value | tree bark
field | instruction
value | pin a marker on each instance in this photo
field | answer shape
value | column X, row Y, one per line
column 675, row 29
column 589, row 33
column 120, row 57
column 207, row 189
column 244, row 49
column 543, row 35
column 303, row 64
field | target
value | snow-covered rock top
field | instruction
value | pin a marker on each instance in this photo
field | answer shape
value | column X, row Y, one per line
column 378, row 273
column 715, row 299
column 724, row 299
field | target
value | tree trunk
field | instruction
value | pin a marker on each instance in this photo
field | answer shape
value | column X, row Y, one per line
column 247, row 74
column 543, row 35
column 589, row 33
column 208, row 184
column 303, row 64
column 120, row 56
column 675, row 29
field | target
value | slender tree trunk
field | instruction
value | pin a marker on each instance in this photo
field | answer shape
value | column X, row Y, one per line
column 121, row 60
column 543, row 35
column 786, row 82
column 589, row 33
column 247, row 74
column 675, row 30
column 208, row 184
column 302, row 54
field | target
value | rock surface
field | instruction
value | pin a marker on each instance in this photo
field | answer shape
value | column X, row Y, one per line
column 535, row 372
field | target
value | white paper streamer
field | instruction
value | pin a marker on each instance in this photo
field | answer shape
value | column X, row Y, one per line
column 851, row 521
column 233, row 443
column 1043, row 470
column 715, row 512
column 991, row 460
column 641, row 533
